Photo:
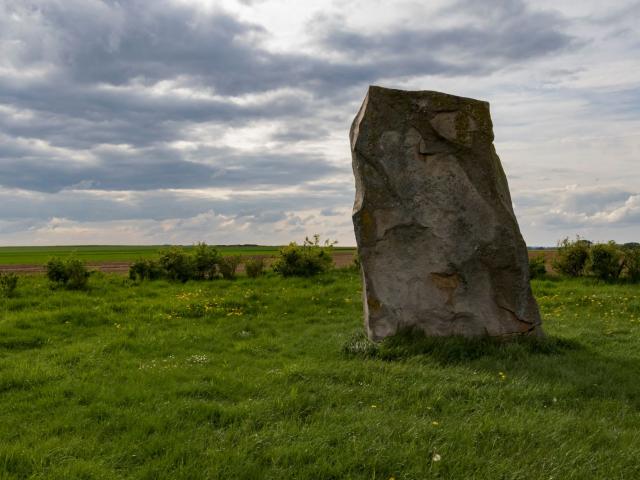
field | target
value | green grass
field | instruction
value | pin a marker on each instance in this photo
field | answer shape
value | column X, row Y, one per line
column 269, row 379
column 114, row 253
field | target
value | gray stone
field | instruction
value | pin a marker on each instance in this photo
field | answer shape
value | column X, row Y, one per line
column 439, row 244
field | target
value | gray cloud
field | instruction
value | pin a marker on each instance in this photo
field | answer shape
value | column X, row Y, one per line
column 83, row 206
column 496, row 34
column 160, row 168
column 575, row 209
column 105, row 59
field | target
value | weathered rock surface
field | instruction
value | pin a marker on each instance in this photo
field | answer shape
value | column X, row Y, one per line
column 439, row 244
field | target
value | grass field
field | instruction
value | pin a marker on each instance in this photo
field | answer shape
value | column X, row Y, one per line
column 269, row 379
column 114, row 253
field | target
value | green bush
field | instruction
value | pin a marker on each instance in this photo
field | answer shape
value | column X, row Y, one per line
column 70, row 273
column 56, row 270
column 177, row 264
column 8, row 284
column 632, row 262
column 228, row 265
column 537, row 268
column 145, row 269
column 206, row 259
column 78, row 274
column 304, row 260
column 254, row 267
column 572, row 257
column 606, row 261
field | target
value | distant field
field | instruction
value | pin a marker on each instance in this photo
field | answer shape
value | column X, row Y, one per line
column 115, row 253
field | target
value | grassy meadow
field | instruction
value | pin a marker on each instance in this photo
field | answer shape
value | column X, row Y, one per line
column 272, row 379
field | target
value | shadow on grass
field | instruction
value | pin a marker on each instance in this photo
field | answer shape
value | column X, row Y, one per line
column 582, row 372
column 452, row 350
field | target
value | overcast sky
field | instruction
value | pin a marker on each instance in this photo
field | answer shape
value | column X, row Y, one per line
column 174, row 121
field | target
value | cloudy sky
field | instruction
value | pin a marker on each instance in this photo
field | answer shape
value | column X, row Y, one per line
column 173, row 121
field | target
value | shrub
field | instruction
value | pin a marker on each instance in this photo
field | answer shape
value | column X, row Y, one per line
column 177, row 264
column 228, row 265
column 606, row 261
column 537, row 268
column 78, row 274
column 254, row 267
column 145, row 269
column 572, row 257
column 8, row 284
column 304, row 260
column 632, row 263
column 56, row 270
column 205, row 258
column 71, row 273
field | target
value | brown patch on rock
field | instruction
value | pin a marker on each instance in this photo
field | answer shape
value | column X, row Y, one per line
column 447, row 282
column 373, row 303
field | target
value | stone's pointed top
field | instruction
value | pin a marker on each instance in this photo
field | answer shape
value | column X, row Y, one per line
column 459, row 120
column 417, row 94
column 439, row 244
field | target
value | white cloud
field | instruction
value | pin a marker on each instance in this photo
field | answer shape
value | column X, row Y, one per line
column 208, row 226
column 599, row 213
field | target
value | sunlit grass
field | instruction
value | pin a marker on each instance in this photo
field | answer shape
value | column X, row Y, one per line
column 269, row 378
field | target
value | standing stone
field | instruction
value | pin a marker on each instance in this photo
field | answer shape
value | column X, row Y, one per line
column 439, row 244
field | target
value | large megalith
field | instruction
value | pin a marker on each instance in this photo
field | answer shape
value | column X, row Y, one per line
column 439, row 244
